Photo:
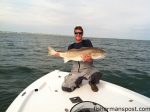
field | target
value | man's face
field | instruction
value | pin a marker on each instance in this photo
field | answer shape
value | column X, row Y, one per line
column 78, row 35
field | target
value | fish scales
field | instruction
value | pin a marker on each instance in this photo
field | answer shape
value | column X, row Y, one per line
column 76, row 54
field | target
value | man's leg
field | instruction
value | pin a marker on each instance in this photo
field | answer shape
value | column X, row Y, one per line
column 78, row 82
column 94, row 79
column 71, row 82
column 68, row 84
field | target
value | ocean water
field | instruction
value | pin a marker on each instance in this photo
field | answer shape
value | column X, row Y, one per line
column 24, row 59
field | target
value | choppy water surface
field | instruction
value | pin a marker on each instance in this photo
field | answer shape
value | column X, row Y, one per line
column 24, row 59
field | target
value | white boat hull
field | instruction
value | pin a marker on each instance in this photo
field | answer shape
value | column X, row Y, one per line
column 46, row 95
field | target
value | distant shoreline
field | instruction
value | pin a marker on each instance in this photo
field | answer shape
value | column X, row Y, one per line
column 33, row 33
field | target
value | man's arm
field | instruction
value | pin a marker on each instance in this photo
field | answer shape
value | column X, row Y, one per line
column 87, row 58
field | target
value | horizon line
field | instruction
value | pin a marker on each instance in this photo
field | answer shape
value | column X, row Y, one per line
column 68, row 35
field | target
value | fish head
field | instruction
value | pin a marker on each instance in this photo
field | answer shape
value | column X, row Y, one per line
column 98, row 54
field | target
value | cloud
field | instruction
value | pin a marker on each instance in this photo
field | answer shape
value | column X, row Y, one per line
column 99, row 18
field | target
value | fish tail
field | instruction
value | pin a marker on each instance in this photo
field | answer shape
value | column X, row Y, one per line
column 51, row 51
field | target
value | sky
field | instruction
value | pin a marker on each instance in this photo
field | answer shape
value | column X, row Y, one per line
column 124, row 19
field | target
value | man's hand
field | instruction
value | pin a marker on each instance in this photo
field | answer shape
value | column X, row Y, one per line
column 57, row 54
column 53, row 52
column 86, row 58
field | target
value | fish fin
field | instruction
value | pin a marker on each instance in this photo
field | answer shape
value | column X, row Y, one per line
column 66, row 60
column 51, row 51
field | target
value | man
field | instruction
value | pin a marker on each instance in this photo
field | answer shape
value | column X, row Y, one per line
column 81, row 70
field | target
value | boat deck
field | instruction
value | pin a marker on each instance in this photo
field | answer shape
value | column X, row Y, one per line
column 45, row 95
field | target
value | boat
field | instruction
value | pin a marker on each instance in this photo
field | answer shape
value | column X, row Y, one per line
column 46, row 95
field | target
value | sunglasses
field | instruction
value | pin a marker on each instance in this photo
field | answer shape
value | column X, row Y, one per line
column 80, row 33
